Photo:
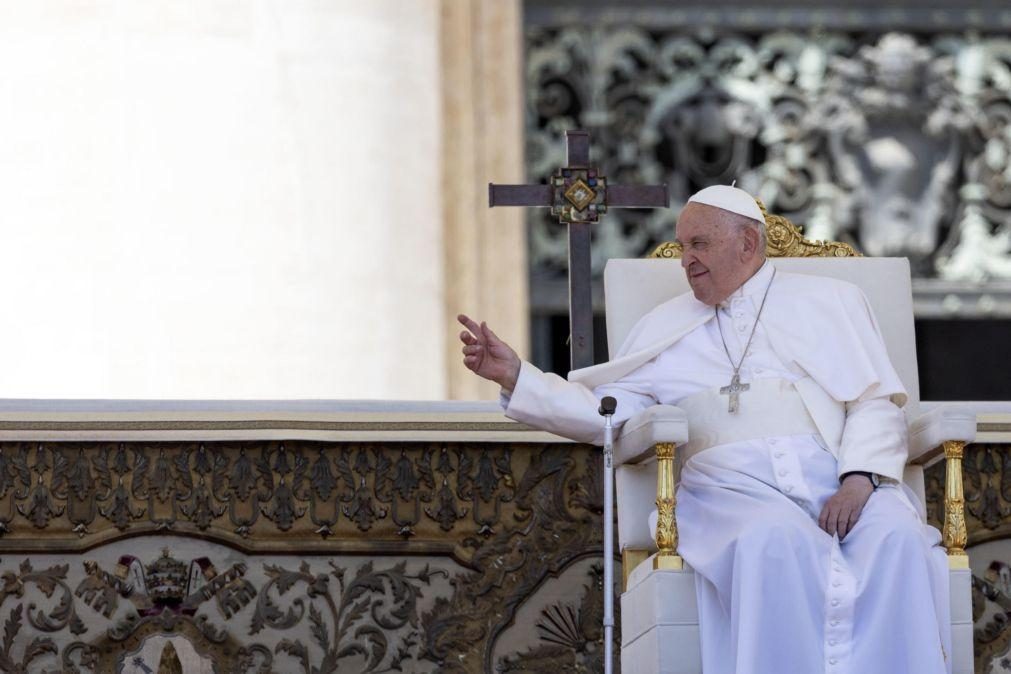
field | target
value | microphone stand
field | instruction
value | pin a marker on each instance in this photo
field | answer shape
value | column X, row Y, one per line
column 607, row 408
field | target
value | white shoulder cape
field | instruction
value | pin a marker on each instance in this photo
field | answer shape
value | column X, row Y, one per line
column 822, row 328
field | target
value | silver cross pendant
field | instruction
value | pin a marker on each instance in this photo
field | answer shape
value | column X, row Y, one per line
column 734, row 391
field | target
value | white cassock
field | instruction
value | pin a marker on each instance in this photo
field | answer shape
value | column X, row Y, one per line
column 776, row 594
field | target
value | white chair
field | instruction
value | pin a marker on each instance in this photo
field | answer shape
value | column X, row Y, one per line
column 658, row 607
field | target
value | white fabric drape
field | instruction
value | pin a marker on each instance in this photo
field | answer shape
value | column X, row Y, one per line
column 777, row 594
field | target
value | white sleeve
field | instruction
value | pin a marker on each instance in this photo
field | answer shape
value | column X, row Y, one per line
column 548, row 402
column 875, row 438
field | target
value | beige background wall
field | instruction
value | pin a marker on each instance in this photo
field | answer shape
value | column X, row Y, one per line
column 245, row 198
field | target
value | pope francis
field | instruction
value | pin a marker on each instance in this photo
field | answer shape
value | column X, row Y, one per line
column 809, row 555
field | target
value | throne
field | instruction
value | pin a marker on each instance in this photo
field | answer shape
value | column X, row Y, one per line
column 660, row 631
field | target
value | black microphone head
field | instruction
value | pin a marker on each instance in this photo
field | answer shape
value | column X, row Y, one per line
column 607, row 406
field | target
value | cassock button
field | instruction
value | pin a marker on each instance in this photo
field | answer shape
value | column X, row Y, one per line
column 835, row 602
column 788, row 488
column 834, row 623
column 779, row 455
column 831, row 642
column 741, row 328
column 832, row 661
column 836, row 584
column 782, row 473
column 772, row 441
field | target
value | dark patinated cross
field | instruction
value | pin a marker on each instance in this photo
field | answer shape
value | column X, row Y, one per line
column 578, row 195
column 734, row 391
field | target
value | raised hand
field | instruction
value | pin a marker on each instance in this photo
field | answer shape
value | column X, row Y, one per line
column 488, row 356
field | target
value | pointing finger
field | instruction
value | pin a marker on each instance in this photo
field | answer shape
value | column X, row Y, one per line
column 469, row 323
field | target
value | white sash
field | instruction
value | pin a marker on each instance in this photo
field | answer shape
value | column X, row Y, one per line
column 770, row 408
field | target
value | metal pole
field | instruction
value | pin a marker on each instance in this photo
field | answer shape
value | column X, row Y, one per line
column 607, row 407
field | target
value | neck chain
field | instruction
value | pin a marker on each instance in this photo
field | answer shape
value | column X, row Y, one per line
column 734, row 389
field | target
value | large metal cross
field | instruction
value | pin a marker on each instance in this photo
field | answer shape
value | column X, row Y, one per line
column 578, row 195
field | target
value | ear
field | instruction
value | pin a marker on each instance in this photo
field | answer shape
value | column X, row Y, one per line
column 750, row 241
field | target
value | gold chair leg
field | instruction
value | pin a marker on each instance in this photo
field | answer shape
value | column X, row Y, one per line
column 955, row 534
column 666, row 525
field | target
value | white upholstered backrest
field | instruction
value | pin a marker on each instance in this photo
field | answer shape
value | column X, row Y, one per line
column 633, row 287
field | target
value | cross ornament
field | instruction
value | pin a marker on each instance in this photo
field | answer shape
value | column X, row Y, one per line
column 734, row 391
column 578, row 195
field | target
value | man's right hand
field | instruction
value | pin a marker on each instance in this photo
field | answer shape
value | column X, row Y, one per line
column 487, row 355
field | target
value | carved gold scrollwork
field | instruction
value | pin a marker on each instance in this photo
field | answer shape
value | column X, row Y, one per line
column 955, row 534
column 783, row 239
column 65, row 498
column 666, row 523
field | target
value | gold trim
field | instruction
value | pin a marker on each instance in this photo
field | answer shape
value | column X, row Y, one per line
column 954, row 533
column 668, row 563
column 666, row 501
column 630, row 559
column 958, row 561
column 580, row 194
column 783, row 239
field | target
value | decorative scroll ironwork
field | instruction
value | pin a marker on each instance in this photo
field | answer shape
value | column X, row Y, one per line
column 894, row 142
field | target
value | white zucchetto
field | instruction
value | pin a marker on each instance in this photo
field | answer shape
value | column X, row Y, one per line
column 730, row 199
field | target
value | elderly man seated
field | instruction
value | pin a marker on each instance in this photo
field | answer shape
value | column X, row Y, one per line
column 809, row 555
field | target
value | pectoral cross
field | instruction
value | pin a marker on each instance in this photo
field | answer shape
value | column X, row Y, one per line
column 578, row 195
column 734, row 391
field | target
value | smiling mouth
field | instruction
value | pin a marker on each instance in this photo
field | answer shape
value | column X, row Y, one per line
column 698, row 274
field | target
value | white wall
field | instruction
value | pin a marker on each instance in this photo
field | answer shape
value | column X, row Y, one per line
column 220, row 199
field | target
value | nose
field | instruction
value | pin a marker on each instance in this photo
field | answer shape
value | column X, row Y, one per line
column 686, row 259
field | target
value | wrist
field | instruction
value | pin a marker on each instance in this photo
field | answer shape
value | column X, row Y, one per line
column 860, row 475
column 508, row 383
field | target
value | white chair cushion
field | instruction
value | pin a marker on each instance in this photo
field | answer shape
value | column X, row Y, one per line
column 940, row 424
column 659, row 423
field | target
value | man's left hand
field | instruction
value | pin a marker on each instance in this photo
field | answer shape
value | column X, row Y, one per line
column 842, row 510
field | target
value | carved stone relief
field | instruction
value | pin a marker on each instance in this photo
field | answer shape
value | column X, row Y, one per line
column 895, row 142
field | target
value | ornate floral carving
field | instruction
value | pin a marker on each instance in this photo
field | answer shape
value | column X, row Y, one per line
column 896, row 142
column 783, row 239
column 359, row 615
column 546, row 535
column 71, row 494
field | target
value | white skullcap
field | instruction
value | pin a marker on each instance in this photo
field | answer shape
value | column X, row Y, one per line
column 731, row 199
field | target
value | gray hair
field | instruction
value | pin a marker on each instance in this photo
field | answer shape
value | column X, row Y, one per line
column 743, row 222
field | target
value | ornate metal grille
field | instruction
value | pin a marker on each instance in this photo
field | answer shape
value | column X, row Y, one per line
column 891, row 131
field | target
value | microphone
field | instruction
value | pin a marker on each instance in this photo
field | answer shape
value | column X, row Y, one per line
column 607, row 406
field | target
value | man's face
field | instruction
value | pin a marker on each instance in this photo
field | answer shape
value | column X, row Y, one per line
column 717, row 256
